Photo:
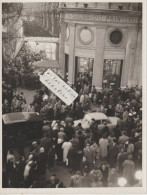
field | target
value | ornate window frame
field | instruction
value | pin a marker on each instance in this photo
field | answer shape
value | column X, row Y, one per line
column 79, row 35
column 108, row 37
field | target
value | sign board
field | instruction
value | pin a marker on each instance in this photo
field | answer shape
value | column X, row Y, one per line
column 58, row 87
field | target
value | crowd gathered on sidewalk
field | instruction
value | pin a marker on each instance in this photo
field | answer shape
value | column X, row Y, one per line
column 94, row 158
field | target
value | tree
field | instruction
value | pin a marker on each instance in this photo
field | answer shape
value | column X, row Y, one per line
column 12, row 22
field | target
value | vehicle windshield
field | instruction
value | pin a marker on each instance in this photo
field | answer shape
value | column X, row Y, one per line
column 106, row 120
column 85, row 120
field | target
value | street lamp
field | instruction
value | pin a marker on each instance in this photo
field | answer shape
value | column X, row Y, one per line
column 122, row 181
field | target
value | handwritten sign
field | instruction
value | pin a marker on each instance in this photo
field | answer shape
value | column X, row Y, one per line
column 58, row 87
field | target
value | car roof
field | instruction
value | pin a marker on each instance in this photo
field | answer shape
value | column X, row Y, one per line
column 19, row 117
column 96, row 116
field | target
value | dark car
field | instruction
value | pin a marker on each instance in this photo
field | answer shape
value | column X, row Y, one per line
column 28, row 123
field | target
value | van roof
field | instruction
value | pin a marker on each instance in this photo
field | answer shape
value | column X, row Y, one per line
column 18, row 117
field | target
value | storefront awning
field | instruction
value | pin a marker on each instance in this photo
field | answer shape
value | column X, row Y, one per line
column 47, row 64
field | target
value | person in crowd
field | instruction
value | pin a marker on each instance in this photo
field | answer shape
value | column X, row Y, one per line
column 86, row 179
column 96, row 182
column 72, row 159
column 90, row 155
column 95, row 149
column 66, row 146
column 104, row 171
column 122, row 156
column 59, row 151
column 20, row 166
column 42, row 162
column 54, row 182
column 113, row 153
column 103, row 144
column 76, row 180
column 85, row 165
column 113, row 178
column 61, row 134
column 128, row 169
column 74, row 141
column 51, row 158
column 46, row 143
column 31, row 108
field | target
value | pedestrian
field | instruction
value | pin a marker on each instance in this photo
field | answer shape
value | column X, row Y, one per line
column 103, row 144
column 42, row 162
column 20, row 166
column 66, row 146
column 74, row 141
column 94, row 147
column 128, row 169
column 86, row 179
column 95, row 173
column 61, row 134
column 89, row 154
column 51, row 158
column 104, row 171
column 72, row 158
column 113, row 153
column 122, row 156
column 59, row 151
column 54, row 182
column 96, row 182
column 113, row 178
column 76, row 180
column 46, row 143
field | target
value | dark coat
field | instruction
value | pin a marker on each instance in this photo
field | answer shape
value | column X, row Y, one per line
column 113, row 155
column 42, row 163
column 105, row 176
column 51, row 158
column 46, row 143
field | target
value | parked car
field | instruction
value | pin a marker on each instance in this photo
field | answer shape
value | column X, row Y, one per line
column 29, row 123
column 100, row 117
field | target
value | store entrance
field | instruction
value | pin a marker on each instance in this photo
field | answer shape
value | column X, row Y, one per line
column 84, row 67
column 112, row 73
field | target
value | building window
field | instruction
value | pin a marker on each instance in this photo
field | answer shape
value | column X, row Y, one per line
column 67, row 33
column 116, row 37
column 85, row 35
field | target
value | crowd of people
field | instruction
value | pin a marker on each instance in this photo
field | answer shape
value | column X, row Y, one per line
column 94, row 158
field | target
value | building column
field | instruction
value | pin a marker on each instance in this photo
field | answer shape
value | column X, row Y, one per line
column 99, row 57
column 137, row 77
column 62, row 49
column 71, row 69
column 128, row 65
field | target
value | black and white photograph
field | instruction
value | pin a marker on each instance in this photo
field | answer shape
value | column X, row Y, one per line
column 72, row 95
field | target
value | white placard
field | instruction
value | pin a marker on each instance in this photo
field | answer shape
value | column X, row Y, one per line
column 58, row 87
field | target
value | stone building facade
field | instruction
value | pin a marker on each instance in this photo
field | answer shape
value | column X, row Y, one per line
column 104, row 40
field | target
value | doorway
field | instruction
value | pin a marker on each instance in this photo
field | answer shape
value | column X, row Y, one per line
column 84, row 67
column 112, row 73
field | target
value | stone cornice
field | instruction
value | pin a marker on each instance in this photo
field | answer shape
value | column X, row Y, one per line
column 99, row 11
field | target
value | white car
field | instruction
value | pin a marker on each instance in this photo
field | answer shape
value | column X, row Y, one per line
column 100, row 117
